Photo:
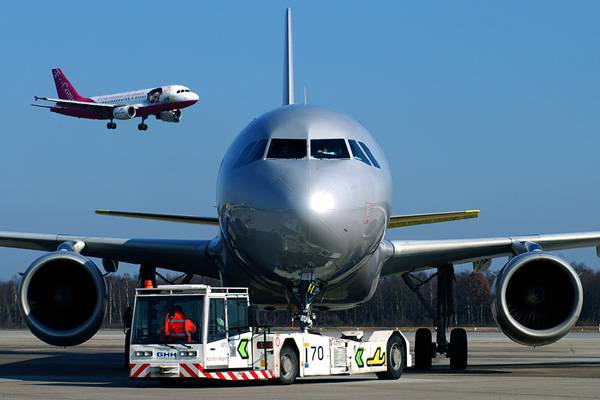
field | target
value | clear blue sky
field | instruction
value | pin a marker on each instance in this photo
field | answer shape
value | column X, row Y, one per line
column 490, row 105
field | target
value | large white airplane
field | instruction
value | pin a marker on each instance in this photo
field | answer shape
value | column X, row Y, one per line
column 164, row 102
column 303, row 201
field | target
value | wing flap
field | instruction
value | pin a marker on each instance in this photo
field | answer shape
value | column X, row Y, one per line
column 398, row 221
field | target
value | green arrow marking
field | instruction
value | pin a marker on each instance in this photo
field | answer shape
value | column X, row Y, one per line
column 358, row 358
column 243, row 348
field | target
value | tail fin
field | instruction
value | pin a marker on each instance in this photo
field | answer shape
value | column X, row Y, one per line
column 64, row 89
column 288, row 62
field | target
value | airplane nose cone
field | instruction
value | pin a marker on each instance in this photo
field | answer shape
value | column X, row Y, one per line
column 194, row 97
column 301, row 222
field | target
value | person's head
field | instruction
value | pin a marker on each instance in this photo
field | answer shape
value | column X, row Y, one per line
column 176, row 309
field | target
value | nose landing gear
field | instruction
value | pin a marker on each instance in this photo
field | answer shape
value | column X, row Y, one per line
column 305, row 291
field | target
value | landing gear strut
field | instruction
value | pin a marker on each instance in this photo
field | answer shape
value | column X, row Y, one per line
column 425, row 350
column 111, row 125
column 305, row 293
column 142, row 126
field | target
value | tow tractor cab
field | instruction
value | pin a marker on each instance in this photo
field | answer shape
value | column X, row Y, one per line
column 198, row 331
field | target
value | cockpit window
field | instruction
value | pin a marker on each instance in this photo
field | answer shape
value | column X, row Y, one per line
column 329, row 148
column 371, row 156
column 252, row 152
column 357, row 152
column 287, row 148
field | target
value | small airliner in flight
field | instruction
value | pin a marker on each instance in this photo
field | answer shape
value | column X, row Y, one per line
column 164, row 102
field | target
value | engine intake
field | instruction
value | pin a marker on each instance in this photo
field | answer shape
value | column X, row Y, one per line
column 536, row 298
column 124, row 112
column 62, row 297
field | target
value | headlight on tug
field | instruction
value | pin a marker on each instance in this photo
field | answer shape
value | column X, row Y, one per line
column 143, row 354
column 188, row 354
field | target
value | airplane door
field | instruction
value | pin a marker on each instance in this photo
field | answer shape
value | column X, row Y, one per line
column 239, row 335
column 217, row 349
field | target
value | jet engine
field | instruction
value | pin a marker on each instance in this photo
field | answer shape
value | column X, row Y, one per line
column 169, row 116
column 124, row 112
column 62, row 298
column 536, row 298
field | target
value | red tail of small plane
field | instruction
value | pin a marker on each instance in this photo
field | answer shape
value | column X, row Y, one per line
column 64, row 88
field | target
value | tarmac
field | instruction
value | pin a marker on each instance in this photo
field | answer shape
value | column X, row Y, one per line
column 498, row 369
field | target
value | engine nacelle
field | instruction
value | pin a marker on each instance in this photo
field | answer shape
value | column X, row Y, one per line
column 62, row 298
column 169, row 116
column 536, row 298
column 124, row 112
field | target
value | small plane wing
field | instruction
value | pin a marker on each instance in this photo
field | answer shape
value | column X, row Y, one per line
column 410, row 255
column 189, row 256
column 76, row 103
column 397, row 221
column 102, row 108
column 162, row 217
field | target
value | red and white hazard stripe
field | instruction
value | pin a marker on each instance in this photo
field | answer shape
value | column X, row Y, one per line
column 196, row 370
column 139, row 370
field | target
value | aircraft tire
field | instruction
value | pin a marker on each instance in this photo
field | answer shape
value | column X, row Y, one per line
column 458, row 348
column 288, row 365
column 395, row 358
column 423, row 353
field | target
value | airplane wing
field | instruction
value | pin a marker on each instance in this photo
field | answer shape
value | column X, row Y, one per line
column 189, row 256
column 397, row 221
column 410, row 255
column 81, row 105
column 187, row 219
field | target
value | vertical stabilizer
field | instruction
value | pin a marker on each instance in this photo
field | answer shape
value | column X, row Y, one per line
column 64, row 89
column 288, row 62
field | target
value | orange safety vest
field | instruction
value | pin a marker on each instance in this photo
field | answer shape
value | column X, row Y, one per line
column 177, row 326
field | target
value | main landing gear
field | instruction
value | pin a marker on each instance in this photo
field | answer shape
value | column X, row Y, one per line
column 111, row 125
column 425, row 348
column 142, row 126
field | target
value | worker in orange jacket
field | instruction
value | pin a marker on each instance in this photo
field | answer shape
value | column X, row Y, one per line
column 177, row 327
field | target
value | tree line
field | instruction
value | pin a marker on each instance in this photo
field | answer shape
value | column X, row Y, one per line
column 393, row 304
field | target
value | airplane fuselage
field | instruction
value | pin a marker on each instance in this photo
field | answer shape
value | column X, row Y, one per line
column 286, row 218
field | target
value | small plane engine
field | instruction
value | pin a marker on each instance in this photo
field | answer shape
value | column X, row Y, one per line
column 169, row 116
column 124, row 112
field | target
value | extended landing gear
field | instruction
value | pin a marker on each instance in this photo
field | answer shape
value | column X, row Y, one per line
column 305, row 291
column 111, row 125
column 425, row 349
column 142, row 126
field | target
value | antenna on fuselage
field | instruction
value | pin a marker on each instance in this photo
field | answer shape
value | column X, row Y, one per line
column 288, row 62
